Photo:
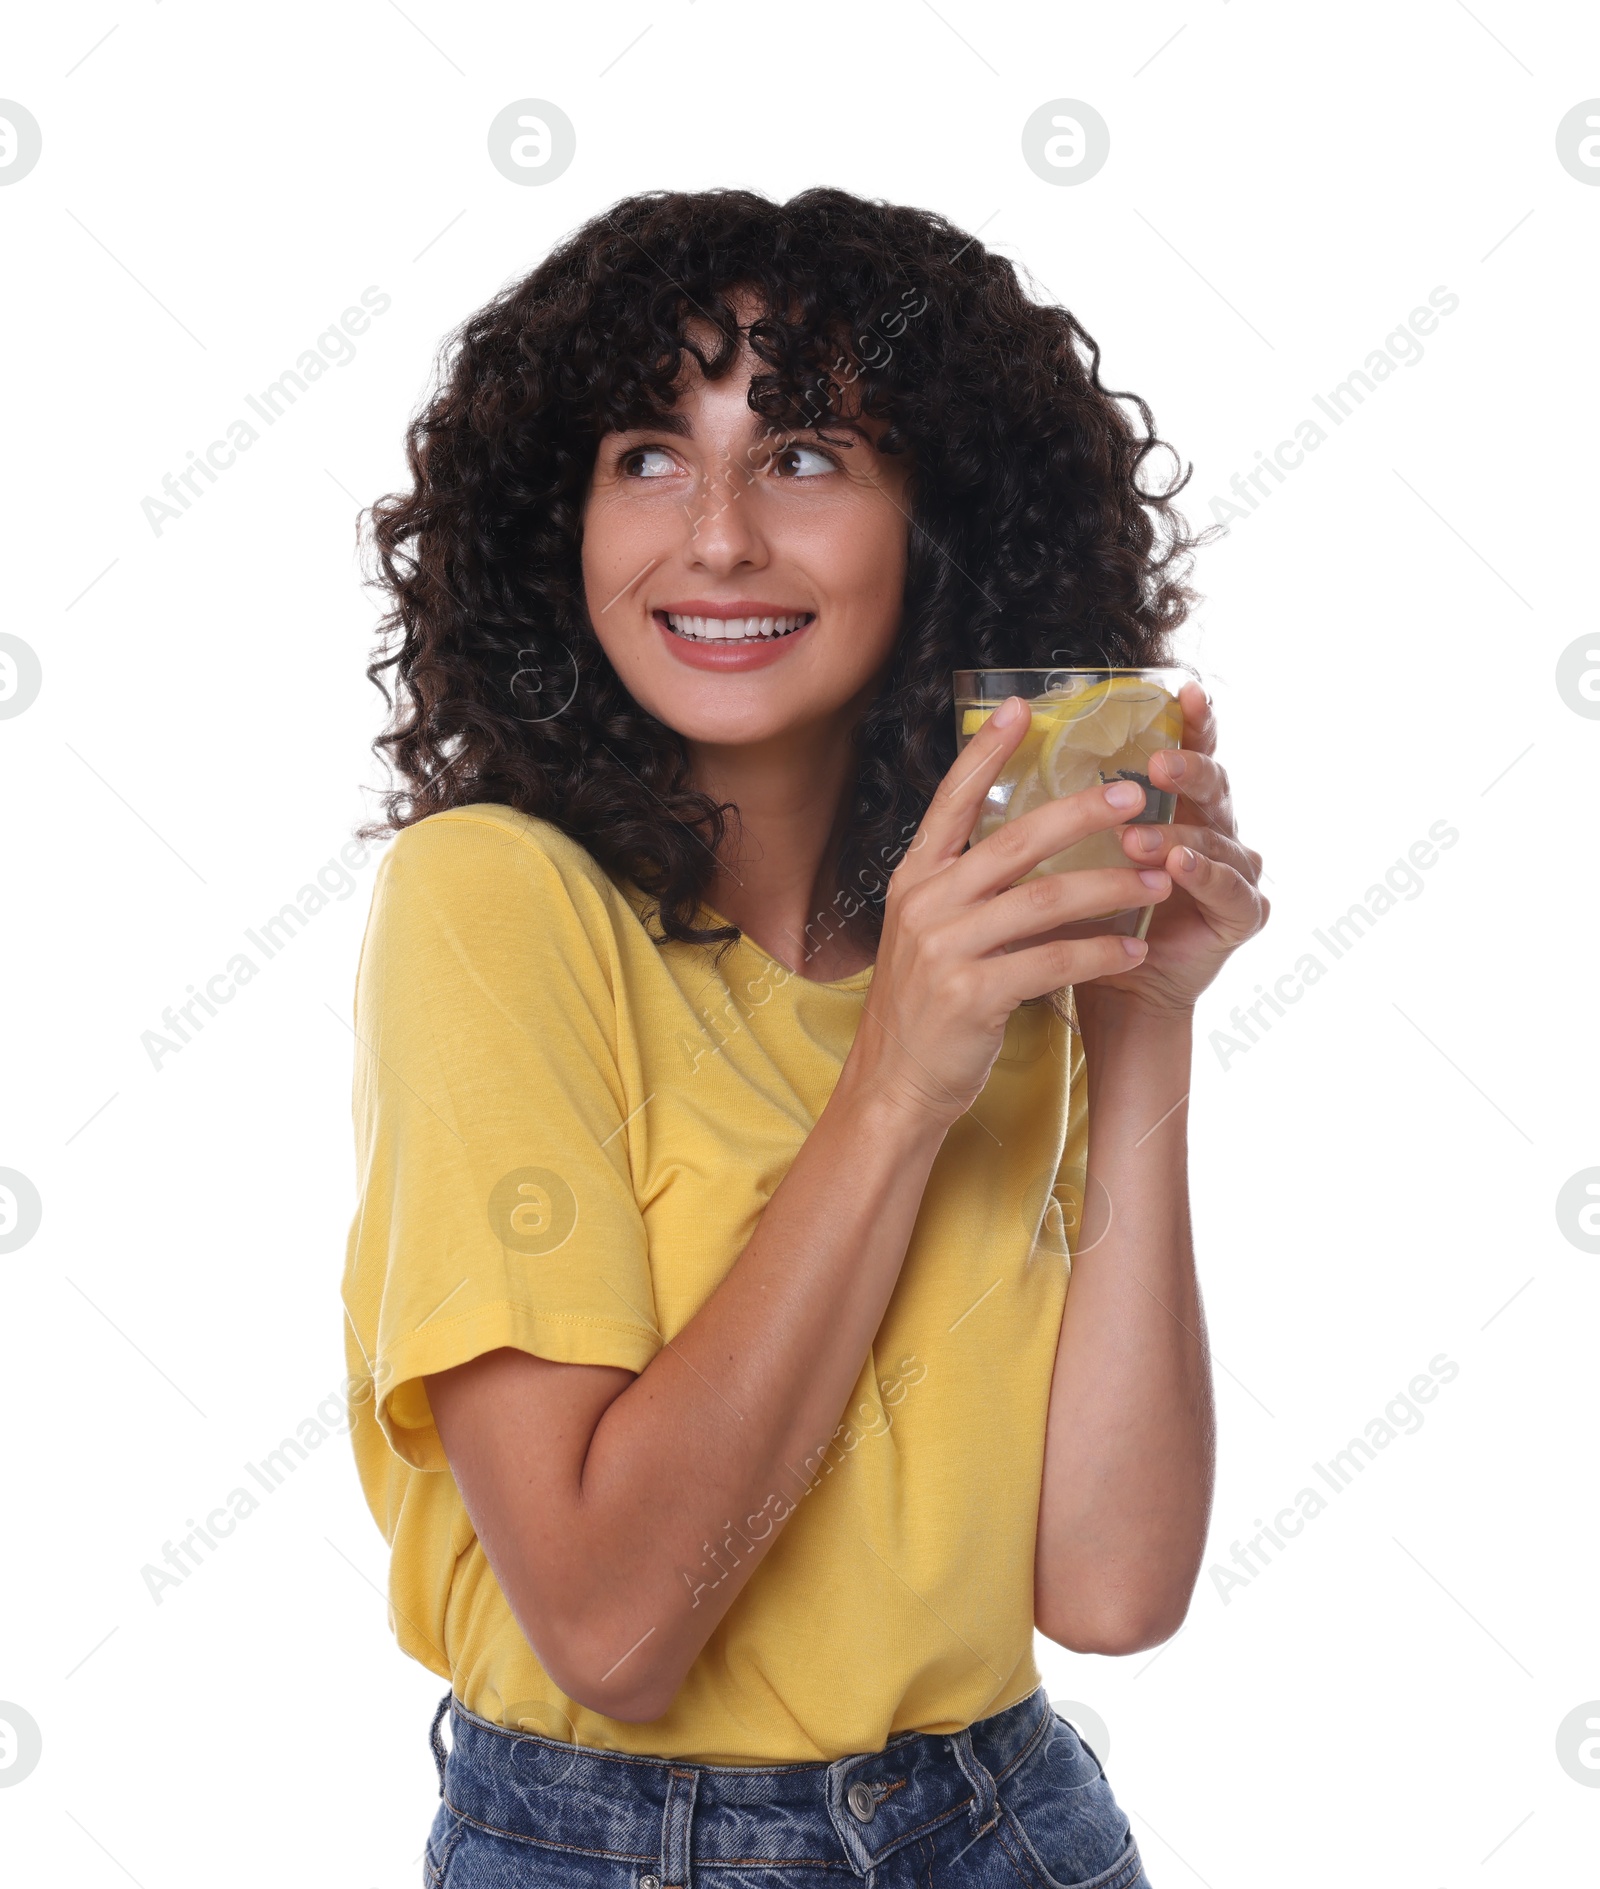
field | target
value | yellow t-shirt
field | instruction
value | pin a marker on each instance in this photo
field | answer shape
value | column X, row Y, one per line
column 566, row 1135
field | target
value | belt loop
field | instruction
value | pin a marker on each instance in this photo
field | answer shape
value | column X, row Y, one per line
column 682, row 1783
column 985, row 1808
column 439, row 1752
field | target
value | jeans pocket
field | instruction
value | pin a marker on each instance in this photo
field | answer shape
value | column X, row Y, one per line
column 1125, row 1871
column 1062, row 1825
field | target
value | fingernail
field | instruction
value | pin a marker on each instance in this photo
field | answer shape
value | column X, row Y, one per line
column 1183, row 859
column 1135, row 947
column 1175, row 763
column 1150, row 838
column 1156, row 879
column 1008, row 711
column 1124, row 794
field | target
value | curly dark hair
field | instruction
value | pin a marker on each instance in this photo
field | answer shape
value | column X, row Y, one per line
column 1031, row 541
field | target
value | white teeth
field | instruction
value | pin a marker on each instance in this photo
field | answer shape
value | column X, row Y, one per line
column 734, row 629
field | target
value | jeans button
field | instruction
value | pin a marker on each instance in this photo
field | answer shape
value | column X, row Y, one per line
column 862, row 1802
column 649, row 1882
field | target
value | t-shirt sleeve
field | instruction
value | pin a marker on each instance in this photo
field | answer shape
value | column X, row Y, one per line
column 495, row 1203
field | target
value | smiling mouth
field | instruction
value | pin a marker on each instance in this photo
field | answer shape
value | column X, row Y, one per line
column 734, row 629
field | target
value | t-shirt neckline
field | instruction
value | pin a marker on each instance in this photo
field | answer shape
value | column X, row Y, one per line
column 857, row 980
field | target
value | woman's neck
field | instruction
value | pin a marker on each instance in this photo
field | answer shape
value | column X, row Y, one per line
column 778, row 879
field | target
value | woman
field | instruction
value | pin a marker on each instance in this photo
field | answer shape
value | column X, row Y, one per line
column 717, row 1385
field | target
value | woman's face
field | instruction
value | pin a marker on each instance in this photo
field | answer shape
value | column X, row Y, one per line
column 704, row 532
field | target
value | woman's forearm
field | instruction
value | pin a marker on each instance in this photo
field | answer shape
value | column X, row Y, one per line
column 726, row 1427
column 1126, row 1496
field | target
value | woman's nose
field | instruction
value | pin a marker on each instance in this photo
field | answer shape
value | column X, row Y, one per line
column 723, row 529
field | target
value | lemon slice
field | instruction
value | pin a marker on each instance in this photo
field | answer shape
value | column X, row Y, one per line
column 1169, row 723
column 1046, row 714
column 1067, row 769
column 1099, row 723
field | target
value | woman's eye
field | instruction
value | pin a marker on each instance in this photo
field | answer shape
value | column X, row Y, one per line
column 632, row 465
column 784, row 461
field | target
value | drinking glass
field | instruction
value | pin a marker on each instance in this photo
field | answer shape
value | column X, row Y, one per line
column 1087, row 726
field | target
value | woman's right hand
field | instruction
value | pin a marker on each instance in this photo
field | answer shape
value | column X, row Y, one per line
column 950, row 967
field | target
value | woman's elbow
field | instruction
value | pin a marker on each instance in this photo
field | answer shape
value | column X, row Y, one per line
column 1114, row 1631
column 639, row 1698
column 634, row 1706
column 585, row 1664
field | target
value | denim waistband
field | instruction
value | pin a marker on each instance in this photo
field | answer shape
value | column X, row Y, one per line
column 667, row 1814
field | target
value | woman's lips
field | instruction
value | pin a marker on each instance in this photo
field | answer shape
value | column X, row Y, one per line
column 751, row 653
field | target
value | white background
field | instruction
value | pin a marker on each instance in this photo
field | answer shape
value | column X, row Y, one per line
column 1375, row 1179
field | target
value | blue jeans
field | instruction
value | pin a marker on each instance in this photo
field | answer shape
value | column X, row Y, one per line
column 1016, row 1799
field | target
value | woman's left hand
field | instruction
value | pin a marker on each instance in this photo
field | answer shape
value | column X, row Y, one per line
column 1216, row 901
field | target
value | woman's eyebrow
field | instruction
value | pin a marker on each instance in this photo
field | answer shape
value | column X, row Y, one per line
column 761, row 431
column 822, row 428
column 668, row 422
